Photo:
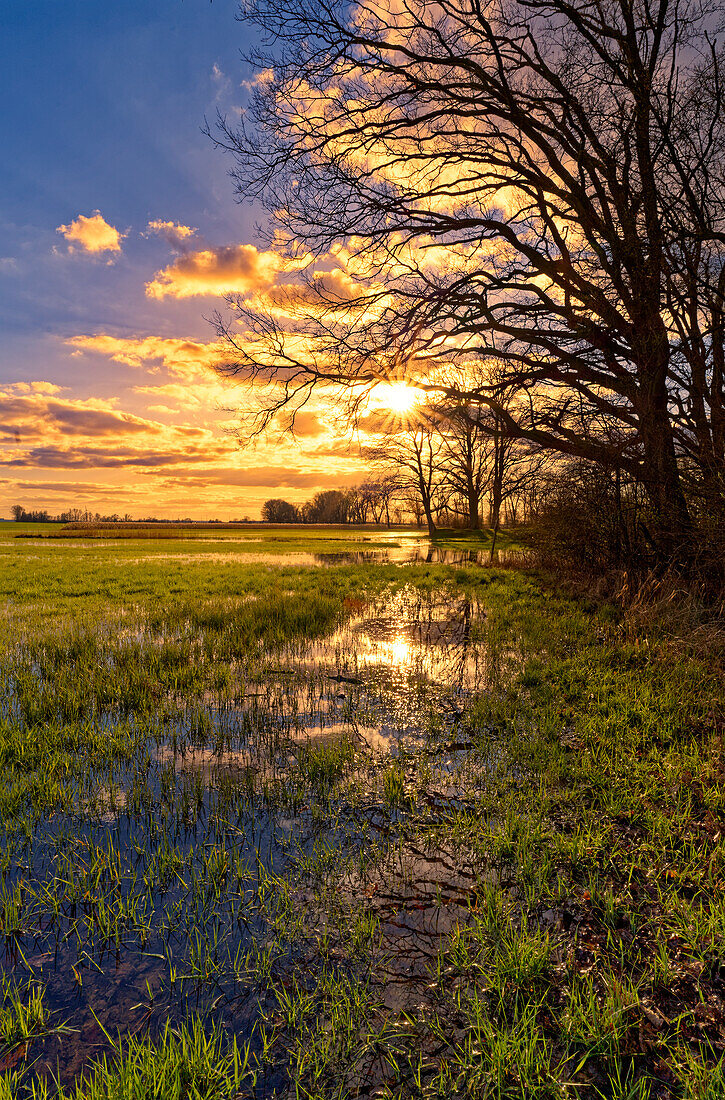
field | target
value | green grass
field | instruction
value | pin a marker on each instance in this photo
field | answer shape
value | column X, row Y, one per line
column 560, row 831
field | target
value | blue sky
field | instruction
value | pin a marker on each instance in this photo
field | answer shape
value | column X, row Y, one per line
column 104, row 104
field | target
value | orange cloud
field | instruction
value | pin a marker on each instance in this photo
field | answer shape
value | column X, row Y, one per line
column 40, row 430
column 178, row 356
column 27, row 416
column 306, row 424
column 234, row 269
column 326, row 290
column 89, row 458
column 269, row 477
column 171, row 227
column 172, row 232
column 93, row 234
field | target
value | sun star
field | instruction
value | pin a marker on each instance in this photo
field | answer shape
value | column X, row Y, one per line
column 397, row 396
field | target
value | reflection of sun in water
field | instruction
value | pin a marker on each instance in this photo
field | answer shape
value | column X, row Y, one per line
column 400, row 653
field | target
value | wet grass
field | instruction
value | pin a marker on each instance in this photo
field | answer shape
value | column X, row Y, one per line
column 402, row 831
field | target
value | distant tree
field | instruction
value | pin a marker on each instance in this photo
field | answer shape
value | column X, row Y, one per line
column 413, row 457
column 466, row 456
column 38, row 516
column 280, row 511
column 372, row 500
column 328, row 506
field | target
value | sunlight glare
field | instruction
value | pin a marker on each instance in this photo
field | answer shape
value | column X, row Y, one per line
column 397, row 396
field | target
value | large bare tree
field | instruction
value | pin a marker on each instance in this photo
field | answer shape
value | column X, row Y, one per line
column 532, row 183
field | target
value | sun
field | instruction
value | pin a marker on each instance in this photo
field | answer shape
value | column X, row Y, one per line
column 397, row 396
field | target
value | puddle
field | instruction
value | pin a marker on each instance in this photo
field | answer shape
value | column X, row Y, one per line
column 144, row 904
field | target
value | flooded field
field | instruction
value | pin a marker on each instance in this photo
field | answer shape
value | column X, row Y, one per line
column 276, row 830
column 224, row 776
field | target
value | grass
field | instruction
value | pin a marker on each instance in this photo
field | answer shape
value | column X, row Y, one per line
column 214, row 882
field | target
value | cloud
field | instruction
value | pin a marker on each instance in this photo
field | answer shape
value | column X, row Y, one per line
column 179, row 356
column 222, row 82
column 35, row 387
column 88, row 458
column 327, row 290
column 173, row 233
column 233, row 269
column 76, row 489
column 271, row 477
column 92, row 234
column 264, row 76
column 335, row 449
column 25, row 417
column 40, row 430
column 211, row 394
column 306, row 424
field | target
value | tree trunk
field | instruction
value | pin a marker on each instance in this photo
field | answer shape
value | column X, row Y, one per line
column 497, row 489
column 473, row 517
column 429, row 521
column 661, row 477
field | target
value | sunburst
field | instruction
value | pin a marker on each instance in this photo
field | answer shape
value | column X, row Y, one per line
column 399, row 397
column 396, row 405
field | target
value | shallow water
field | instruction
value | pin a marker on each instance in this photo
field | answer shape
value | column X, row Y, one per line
column 402, row 550
column 201, row 798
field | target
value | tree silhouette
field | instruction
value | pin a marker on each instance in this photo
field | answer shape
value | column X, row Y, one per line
column 532, row 183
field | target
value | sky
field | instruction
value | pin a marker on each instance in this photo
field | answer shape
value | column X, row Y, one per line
column 119, row 234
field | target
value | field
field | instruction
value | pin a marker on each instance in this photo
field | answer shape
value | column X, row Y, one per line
column 328, row 813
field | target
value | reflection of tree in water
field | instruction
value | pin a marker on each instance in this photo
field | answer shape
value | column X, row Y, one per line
column 434, row 639
column 422, row 554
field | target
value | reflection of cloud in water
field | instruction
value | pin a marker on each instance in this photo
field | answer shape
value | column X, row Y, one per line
column 415, row 638
column 398, row 667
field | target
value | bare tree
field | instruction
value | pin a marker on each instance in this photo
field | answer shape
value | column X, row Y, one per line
column 326, row 506
column 466, row 456
column 377, row 495
column 280, row 511
column 539, row 182
column 412, row 459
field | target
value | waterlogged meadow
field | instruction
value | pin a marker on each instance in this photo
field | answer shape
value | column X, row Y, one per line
column 351, row 816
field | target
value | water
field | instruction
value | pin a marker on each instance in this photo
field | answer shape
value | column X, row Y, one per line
column 401, row 551
column 154, row 898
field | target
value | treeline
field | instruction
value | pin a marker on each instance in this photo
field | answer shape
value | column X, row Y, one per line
column 71, row 515
column 371, row 502
column 446, row 465
column 81, row 515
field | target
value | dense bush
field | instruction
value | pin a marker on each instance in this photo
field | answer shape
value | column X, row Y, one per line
column 588, row 519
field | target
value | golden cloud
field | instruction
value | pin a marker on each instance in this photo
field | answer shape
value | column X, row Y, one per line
column 95, row 490
column 39, row 430
column 27, row 416
column 176, row 228
column 233, row 269
column 326, row 290
column 92, row 234
column 304, row 424
column 173, row 232
column 269, row 477
column 178, row 356
column 90, row 458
